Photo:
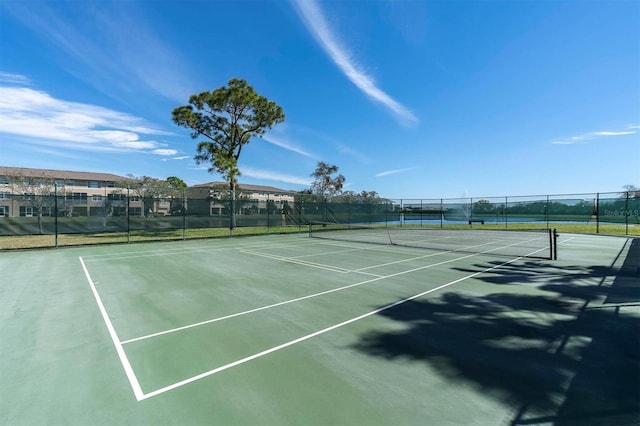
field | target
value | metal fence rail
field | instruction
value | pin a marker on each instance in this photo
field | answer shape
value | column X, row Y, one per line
column 46, row 216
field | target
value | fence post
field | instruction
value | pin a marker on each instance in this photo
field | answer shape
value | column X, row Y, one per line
column 546, row 212
column 55, row 208
column 506, row 215
column 597, row 213
column 268, row 213
column 184, row 213
column 128, row 215
column 626, row 213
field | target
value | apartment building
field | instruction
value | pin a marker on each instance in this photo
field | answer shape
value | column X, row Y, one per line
column 256, row 198
column 27, row 192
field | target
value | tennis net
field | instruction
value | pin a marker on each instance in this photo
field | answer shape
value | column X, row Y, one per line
column 518, row 243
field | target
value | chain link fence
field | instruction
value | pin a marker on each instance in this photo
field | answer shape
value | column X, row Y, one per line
column 52, row 215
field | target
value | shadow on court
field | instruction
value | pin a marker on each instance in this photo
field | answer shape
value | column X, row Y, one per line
column 566, row 352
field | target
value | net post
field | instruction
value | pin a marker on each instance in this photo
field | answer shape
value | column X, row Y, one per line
column 555, row 244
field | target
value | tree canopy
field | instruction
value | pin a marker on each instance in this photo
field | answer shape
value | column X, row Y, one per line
column 325, row 184
column 227, row 118
column 176, row 182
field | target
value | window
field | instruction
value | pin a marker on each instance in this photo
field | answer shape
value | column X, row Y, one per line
column 4, row 211
column 4, row 195
column 76, row 196
column 93, row 184
column 96, row 197
column 70, row 183
column 26, row 211
column 4, row 181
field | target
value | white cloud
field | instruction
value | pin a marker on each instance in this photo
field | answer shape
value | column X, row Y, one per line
column 584, row 138
column 182, row 157
column 346, row 150
column 613, row 133
column 275, row 176
column 108, row 45
column 290, row 146
column 395, row 172
column 315, row 21
column 9, row 78
column 41, row 119
column 166, row 152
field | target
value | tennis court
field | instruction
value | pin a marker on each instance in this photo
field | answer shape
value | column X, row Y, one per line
column 288, row 329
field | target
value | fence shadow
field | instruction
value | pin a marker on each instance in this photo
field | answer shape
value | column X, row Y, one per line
column 566, row 352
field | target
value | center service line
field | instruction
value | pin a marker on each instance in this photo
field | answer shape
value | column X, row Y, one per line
column 135, row 385
column 317, row 333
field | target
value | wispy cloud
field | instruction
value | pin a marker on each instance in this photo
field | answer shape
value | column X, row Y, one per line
column 586, row 137
column 314, row 19
column 166, row 152
column 180, row 158
column 274, row 176
column 361, row 157
column 41, row 119
column 613, row 133
column 395, row 172
column 110, row 46
column 7, row 78
column 288, row 145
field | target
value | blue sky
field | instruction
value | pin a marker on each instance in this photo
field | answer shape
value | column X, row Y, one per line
column 412, row 99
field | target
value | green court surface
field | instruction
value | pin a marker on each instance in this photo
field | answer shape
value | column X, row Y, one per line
column 291, row 330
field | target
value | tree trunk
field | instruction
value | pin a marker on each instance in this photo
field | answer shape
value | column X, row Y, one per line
column 232, row 215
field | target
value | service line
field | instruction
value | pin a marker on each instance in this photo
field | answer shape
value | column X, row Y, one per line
column 323, row 331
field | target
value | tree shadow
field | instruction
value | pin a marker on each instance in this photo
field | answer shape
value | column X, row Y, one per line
column 566, row 352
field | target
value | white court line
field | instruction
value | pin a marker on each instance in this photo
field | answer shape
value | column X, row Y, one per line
column 183, row 250
column 297, row 262
column 310, row 296
column 135, row 385
column 137, row 390
column 298, row 299
column 317, row 333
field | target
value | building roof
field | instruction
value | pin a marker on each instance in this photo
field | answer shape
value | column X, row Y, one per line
column 59, row 174
column 243, row 187
column 108, row 177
